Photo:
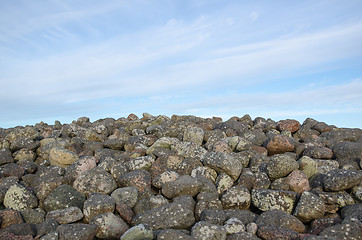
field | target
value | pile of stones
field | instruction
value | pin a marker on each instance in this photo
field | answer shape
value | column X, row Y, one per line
column 183, row 177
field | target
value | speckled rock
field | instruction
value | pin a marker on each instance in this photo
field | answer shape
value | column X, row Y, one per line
column 138, row 232
column 267, row 199
column 9, row 217
column 318, row 152
column 12, row 169
column 308, row 166
column 288, row 124
column 350, row 231
column 298, row 181
column 144, row 162
column 204, row 171
column 172, row 215
column 222, row 162
column 348, row 150
column 140, row 179
column 33, row 216
column 223, row 182
column 237, row 197
column 213, row 216
column 281, row 165
column 95, row 180
column 280, row 218
column 46, row 227
column 126, row 195
column 19, row 198
column 6, row 156
column 278, row 144
column 183, row 185
column 207, row 201
column 340, row 179
column 207, row 231
column 309, row 207
column 62, row 157
column 24, row 154
column 77, row 231
column 234, row 225
column 171, row 234
column 78, row 167
column 109, row 225
column 318, row 225
column 65, row 215
column 273, row 232
column 19, row 230
column 242, row 236
column 62, row 197
column 194, row 134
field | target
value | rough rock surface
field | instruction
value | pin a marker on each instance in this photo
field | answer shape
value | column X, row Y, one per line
column 184, row 177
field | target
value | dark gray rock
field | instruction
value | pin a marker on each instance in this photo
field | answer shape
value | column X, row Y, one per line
column 213, row 216
column 62, row 197
column 97, row 204
column 20, row 229
column 351, row 231
column 6, row 156
column 309, row 207
column 348, row 150
column 171, row 234
column 242, row 236
column 245, row 216
column 183, row 185
column 205, row 230
column 140, row 179
column 33, row 216
column 77, row 231
column 280, row 218
column 318, row 152
column 109, row 225
column 222, row 162
column 277, row 232
column 126, row 195
column 46, row 227
column 65, row 215
column 340, row 179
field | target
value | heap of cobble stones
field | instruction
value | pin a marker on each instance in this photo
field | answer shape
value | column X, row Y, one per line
column 183, row 177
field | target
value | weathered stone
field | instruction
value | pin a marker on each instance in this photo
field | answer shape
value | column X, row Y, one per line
column 139, row 179
column 77, row 231
column 126, row 195
column 33, row 216
column 348, row 150
column 340, row 179
column 277, row 144
column 223, row 182
column 78, row 167
column 308, row 166
column 183, row 185
column 109, row 226
column 273, row 232
column 207, row 231
column 207, row 201
column 9, row 217
column 139, row 232
column 62, row 197
column 97, row 204
column 267, row 199
column 65, row 215
column 11, row 169
column 237, row 197
column 46, row 227
column 246, row 216
column 280, row 218
column 24, row 154
column 288, row 124
column 20, row 229
column 234, row 225
column 19, row 198
column 222, row 162
column 350, row 231
column 47, row 182
column 204, row 171
column 171, row 234
column 242, row 236
column 62, row 157
column 213, row 216
column 194, row 134
column 125, row 212
column 144, row 162
column 318, row 225
column 309, row 207
column 5, row 156
column 281, row 165
column 95, row 180
column 298, row 181
column 318, row 152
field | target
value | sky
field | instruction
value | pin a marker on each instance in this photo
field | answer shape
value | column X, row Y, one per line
column 280, row 59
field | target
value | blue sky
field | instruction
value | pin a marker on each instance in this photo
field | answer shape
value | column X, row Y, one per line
column 60, row 60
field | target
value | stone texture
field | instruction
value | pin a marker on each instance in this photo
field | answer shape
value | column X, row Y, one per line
column 340, row 179
column 280, row 218
column 126, row 195
column 267, row 199
column 183, row 185
column 309, row 207
column 277, row 233
column 288, row 124
column 171, row 234
column 62, row 197
column 318, row 152
column 194, row 134
column 19, row 198
column 139, row 179
column 281, row 165
column 237, row 197
column 278, row 144
column 109, row 225
column 65, row 215
column 234, row 225
column 138, row 232
column 343, row 232
column 62, row 157
column 207, row 231
column 298, row 181
column 9, row 217
column 222, row 162
column 308, row 166
column 78, row 231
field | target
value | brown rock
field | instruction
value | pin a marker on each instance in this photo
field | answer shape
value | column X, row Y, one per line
column 139, row 179
column 298, row 181
column 277, row 233
column 125, row 212
column 9, row 217
column 278, row 144
column 318, row 225
column 288, row 124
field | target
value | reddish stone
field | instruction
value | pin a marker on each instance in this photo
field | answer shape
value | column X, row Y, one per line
column 277, row 144
column 9, row 217
column 289, row 124
column 274, row 232
column 221, row 146
column 140, row 179
column 12, row 236
column 158, row 167
column 125, row 212
column 132, row 117
column 12, row 169
column 318, row 225
column 259, row 149
column 298, row 181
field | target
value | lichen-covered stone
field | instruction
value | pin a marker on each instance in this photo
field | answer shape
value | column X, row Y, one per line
column 65, row 215
column 222, row 162
column 62, row 197
column 234, row 225
column 280, row 218
column 281, row 165
column 308, row 166
column 267, row 199
column 237, row 197
column 309, row 207
column 204, row 171
column 340, row 179
column 62, row 157
column 77, row 231
column 109, row 225
column 19, row 198
column 223, row 182
column 207, row 231
column 194, row 134
column 144, row 162
column 183, row 185
column 97, row 204
column 126, row 195
column 138, row 232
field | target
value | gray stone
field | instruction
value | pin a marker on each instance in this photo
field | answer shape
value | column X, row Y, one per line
column 242, row 236
column 144, row 162
column 280, row 218
column 62, row 197
column 267, row 199
column 234, row 225
column 309, row 207
column 77, row 231
column 277, row 232
column 183, row 185
column 222, row 162
column 139, row 232
column 65, row 215
column 246, row 216
column 340, row 179
column 348, row 150
column 173, row 234
column 95, row 180
column 109, row 226
column 237, row 197
column 97, row 204
column 33, row 216
column 350, row 231
column 207, row 231
column 126, row 195
column 213, row 216
column 318, row 152
column 194, row 134
column 19, row 198
column 281, row 165
column 46, row 227
column 6, row 156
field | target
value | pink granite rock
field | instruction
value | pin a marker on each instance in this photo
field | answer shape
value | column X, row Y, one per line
column 298, row 181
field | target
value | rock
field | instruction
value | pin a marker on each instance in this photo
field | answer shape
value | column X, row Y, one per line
column 309, row 207
column 352, row 211
column 77, row 231
column 157, row 201
column 171, row 234
column 46, row 227
column 139, row 232
column 267, row 199
column 62, row 157
column 126, row 195
column 95, row 180
column 280, row 218
column 144, row 162
column 289, row 124
column 139, row 179
column 6, row 156
column 9, row 217
column 172, row 215
column 318, row 152
column 33, row 216
column 65, row 215
column 318, row 225
column 281, row 165
column 183, row 185
column 245, row 216
column 340, row 179
column 194, row 134
column 278, row 144
column 24, row 154
column 62, row 197
column 189, row 150
column 298, row 181
column 125, row 212
column 47, row 182
column 277, row 232
column 78, row 167
column 213, row 216
column 19, row 198
column 237, row 197
column 223, row 182
column 204, row 171
column 343, row 231
column 222, row 162
column 308, row 166
column 207, row 201
column 11, row 169
column 109, row 226
column 207, row 231
column 242, row 236
column 20, row 229
column 234, row 225
column 348, row 150
column 252, row 228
